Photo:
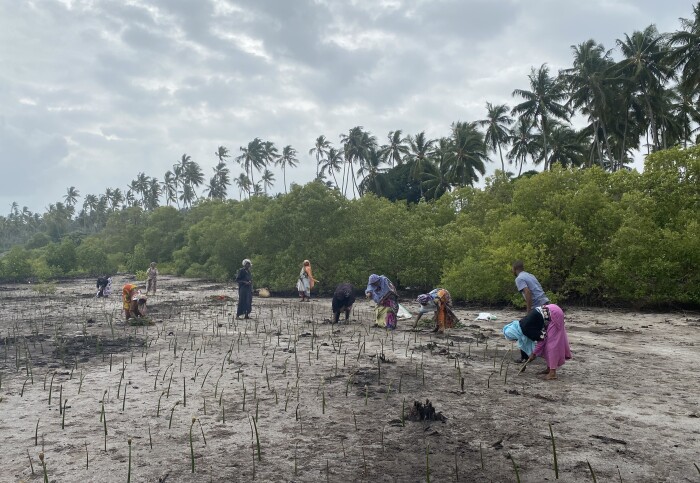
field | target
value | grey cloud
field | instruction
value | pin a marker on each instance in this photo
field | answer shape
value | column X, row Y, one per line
column 127, row 85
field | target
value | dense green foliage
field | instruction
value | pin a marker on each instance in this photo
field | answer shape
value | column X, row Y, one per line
column 587, row 234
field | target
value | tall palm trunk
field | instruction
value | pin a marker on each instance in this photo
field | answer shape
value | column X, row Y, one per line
column 500, row 152
column 284, row 178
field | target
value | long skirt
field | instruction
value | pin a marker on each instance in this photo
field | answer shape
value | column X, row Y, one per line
column 245, row 300
column 304, row 286
column 554, row 348
column 386, row 313
column 445, row 317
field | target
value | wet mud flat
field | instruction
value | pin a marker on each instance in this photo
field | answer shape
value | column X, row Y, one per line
column 286, row 396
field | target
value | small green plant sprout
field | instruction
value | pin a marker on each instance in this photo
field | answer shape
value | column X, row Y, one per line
column 128, row 474
column 104, row 421
column 21, row 393
column 554, row 452
column 63, row 417
column 257, row 438
column 590, row 468
column 427, row 463
column 170, row 422
column 43, row 467
column 159, row 398
column 31, row 465
column 515, row 468
column 194, row 420
column 51, row 387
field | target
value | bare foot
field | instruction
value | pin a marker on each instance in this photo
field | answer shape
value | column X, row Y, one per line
column 550, row 376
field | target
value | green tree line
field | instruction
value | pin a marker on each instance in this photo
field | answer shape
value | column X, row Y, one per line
column 589, row 235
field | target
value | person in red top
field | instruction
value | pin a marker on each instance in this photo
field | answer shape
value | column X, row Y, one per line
column 133, row 301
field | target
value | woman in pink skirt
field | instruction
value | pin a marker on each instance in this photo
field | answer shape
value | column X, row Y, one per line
column 554, row 347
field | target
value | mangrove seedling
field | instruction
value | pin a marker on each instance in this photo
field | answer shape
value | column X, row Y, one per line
column 128, row 475
column 591, row 470
column 170, row 423
column 554, row 452
column 43, row 466
column 515, row 468
column 194, row 419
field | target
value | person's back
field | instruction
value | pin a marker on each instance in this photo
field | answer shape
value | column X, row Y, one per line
column 527, row 280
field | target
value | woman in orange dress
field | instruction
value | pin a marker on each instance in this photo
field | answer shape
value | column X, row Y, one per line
column 133, row 301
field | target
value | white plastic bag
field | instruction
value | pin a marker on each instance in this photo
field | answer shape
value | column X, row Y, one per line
column 485, row 316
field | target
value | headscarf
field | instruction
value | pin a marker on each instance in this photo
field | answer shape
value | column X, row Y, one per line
column 379, row 286
column 424, row 299
column 513, row 332
column 245, row 260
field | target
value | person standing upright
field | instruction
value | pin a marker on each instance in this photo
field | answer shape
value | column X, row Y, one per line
column 305, row 282
column 152, row 278
column 528, row 285
column 244, row 278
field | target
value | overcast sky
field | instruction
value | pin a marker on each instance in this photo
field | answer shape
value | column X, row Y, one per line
column 92, row 92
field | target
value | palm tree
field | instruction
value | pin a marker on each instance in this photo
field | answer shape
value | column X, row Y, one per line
column 333, row 164
column 268, row 179
column 252, row 157
column 497, row 122
column 187, row 195
column 243, row 183
column 270, row 154
column 420, row 149
column 685, row 110
column 320, row 149
column 90, row 203
column 685, row 51
column 396, row 150
column 152, row 195
column 373, row 182
column 590, row 86
column 193, row 176
column 170, row 188
column 357, row 145
column 523, row 143
column 288, row 158
column 71, row 196
column 567, row 147
column 178, row 173
column 109, row 194
column 542, row 102
column 469, row 153
column 647, row 68
column 222, row 154
column 140, row 185
column 437, row 173
column 219, row 183
column 129, row 198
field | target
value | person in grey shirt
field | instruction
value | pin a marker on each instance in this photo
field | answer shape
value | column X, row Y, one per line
column 527, row 284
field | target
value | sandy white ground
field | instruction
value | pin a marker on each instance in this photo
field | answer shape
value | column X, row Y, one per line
column 628, row 404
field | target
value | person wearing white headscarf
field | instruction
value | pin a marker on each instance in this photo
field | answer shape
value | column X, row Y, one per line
column 244, row 278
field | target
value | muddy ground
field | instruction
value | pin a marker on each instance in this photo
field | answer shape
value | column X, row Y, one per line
column 324, row 408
